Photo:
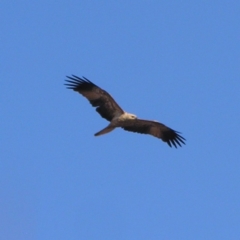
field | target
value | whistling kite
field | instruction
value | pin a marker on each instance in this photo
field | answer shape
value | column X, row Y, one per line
column 110, row 110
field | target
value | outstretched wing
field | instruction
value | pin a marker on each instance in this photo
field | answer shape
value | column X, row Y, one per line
column 155, row 129
column 106, row 106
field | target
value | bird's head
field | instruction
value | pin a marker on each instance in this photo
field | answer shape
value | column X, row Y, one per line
column 132, row 116
column 128, row 116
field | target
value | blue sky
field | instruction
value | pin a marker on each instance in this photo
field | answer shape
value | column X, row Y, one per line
column 172, row 61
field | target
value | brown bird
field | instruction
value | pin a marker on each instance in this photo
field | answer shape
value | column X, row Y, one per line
column 110, row 110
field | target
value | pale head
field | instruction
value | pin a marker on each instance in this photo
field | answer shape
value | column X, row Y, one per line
column 127, row 116
column 130, row 116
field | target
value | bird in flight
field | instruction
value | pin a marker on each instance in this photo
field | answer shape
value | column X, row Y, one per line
column 107, row 107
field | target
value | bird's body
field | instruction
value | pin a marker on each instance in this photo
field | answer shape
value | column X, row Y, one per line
column 118, row 121
column 111, row 111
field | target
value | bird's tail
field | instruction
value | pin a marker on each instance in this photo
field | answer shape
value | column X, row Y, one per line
column 104, row 131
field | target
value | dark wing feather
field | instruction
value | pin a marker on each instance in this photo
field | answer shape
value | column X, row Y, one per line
column 156, row 129
column 106, row 106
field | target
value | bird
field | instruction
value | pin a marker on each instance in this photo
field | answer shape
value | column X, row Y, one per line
column 108, row 108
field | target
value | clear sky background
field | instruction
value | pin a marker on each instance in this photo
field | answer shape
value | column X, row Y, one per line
column 177, row 62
